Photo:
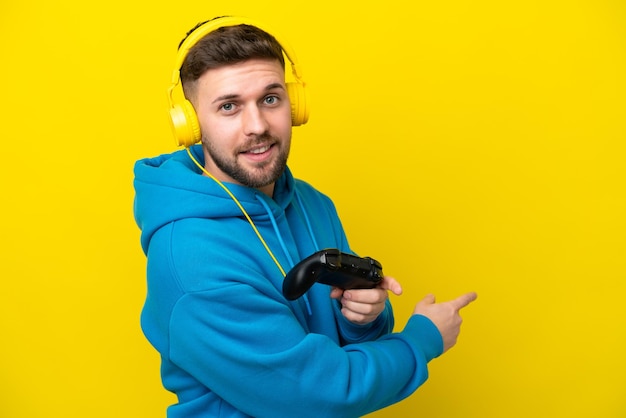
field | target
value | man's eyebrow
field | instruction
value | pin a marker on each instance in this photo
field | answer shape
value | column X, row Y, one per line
column 235, row 96
column 225, row 97
column 274, row 86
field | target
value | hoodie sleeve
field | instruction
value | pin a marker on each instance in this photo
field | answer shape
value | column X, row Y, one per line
column 353, row 333
column 264, row 363
column 239, row 337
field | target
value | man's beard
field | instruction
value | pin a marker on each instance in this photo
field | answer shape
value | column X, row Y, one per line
column 261, row 175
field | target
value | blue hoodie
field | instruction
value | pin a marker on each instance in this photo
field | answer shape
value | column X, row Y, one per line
column 231, row 345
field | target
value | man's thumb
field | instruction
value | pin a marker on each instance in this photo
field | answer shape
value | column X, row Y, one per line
column 428, row 299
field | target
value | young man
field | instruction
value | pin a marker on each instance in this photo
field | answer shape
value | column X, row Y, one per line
column 231, row 344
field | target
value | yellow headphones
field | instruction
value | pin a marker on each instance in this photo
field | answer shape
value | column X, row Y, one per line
column 183, row 116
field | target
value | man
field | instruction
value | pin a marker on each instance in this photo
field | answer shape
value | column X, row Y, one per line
column 221, row 224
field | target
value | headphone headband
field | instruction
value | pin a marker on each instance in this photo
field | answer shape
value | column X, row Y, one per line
column 214, row 24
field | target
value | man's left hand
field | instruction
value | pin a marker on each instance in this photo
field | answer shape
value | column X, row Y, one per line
column 362, row 306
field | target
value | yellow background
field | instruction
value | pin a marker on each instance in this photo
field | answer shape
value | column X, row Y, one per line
column 468, row 145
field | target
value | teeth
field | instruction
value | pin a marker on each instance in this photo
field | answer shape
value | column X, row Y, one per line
column 259, row 150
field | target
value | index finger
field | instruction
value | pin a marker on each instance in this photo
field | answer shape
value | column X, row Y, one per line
column 464, row 300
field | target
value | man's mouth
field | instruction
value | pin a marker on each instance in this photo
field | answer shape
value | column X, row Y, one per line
column 259, row 150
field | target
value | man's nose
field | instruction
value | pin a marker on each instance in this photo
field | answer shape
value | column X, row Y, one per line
column 254, row 121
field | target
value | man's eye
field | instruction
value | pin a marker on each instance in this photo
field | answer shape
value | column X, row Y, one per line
column 227, row 107
column 271, row 100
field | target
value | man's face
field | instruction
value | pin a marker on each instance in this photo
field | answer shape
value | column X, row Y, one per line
column 245, row 119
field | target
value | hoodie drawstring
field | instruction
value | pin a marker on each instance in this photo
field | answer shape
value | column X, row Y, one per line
column 282, row 242
column 307, row 221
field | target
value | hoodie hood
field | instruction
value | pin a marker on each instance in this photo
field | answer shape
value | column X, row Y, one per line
column 170, row 187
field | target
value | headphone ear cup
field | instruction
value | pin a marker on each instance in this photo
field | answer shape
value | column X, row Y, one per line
column 185, row 124
column 299, row 104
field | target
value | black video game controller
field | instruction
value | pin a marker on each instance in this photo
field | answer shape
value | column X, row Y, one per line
column 334, row 268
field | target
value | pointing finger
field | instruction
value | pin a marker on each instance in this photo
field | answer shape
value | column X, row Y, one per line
column 464, row 300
